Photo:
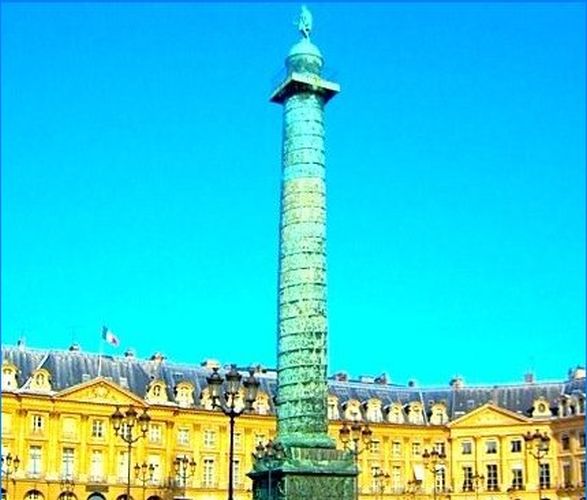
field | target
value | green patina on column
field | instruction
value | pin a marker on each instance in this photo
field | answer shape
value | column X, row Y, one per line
column 301, row 364
column 311, row 467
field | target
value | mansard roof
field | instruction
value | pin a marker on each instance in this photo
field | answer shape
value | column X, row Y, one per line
column 70, row 368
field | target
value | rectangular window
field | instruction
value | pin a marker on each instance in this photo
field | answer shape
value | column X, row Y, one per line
column 375, row 446
column 238, row 440
column 396, row 479
column 567, row 476
column 440, row 448
column 516, row 445
column 155, row 460
column 467, row 478
column 97, row 466
column 466, row 447
column 492, row 479
column 582, row 472
column 122, row 466
column 565, row 442
column 375, row 479
column 582, row 439
column 209, row 438
column 416, row 449
column 34, row 460
column 183, row 437
column 97, row 429
column 440, row 482
column 545, row 475
column 37, row 424
column 517, row 478
column 236, row 472
column 155, row 433
column 67, row 463
column 396, row 449
column 208, row 473
column 490, row 446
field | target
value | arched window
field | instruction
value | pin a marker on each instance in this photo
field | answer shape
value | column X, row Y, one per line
column 96, row 496
column 34, row 495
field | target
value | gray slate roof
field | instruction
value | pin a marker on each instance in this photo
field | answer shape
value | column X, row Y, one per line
column 72, row 367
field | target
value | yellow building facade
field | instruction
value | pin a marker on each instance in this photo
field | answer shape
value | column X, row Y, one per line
column 56, row 413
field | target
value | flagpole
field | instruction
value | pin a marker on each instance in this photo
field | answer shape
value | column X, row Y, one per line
column 100, row 356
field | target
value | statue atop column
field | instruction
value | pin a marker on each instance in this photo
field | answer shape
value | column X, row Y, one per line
column 305, row 22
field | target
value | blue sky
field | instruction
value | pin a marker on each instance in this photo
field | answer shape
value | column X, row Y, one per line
column 141, row 176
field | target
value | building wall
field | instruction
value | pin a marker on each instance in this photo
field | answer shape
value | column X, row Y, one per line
column 72, row 424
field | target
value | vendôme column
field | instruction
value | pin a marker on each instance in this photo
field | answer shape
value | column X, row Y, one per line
column 310, row 466
column 301, row 394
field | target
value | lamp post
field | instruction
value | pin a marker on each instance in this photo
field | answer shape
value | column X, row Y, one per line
column 476, row 482
column 184, row 468
column 124, row 425
column 537, row 445
column 412, row 488
column 355, row 434
column 431, row 461
column 67, row 485
column 268, row 454
column 226, row 401
column 10, row 465
column 144, row 473
column 381, row 477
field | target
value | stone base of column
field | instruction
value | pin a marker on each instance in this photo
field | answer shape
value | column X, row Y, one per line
column 305, row 474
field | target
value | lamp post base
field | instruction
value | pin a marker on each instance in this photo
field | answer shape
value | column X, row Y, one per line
column 306, row 473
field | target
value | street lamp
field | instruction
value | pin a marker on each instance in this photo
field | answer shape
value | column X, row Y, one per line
column 226, row 401
column 380, row 477
column 537, row 445
column 431, row 461
column 476, row 482
column 412, row 488
column 144, row 473
column 124, row 425
column 355, row 434
column 268, row 455
column 67, row 485
column 184, row 468
column 10, row 465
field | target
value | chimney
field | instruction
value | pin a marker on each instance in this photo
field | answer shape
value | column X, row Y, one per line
column 457, row 383
column 382, row 379
column 20, row 343
column 74, row 347
column 157, row 358
column 341, row 377
column 529, row 378
column 411, row 383
column 210, row 363
column 130, row 353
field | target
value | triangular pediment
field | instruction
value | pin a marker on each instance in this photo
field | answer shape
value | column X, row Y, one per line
column 99, row 390
column 489, row 415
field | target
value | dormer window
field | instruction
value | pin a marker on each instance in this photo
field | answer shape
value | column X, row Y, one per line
column 374, row 411
column 156, row 392
column 8, row 377
column 184, row 394
column 332, row 408
column 40, row 380
column 415, row 414
column 438, row 414
column 353, row 411
column 206, row 400
column 396, row 414
column 261, row 404
column 541, row 408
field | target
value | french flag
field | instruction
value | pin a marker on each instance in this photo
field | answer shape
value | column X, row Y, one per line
column 109, row 337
